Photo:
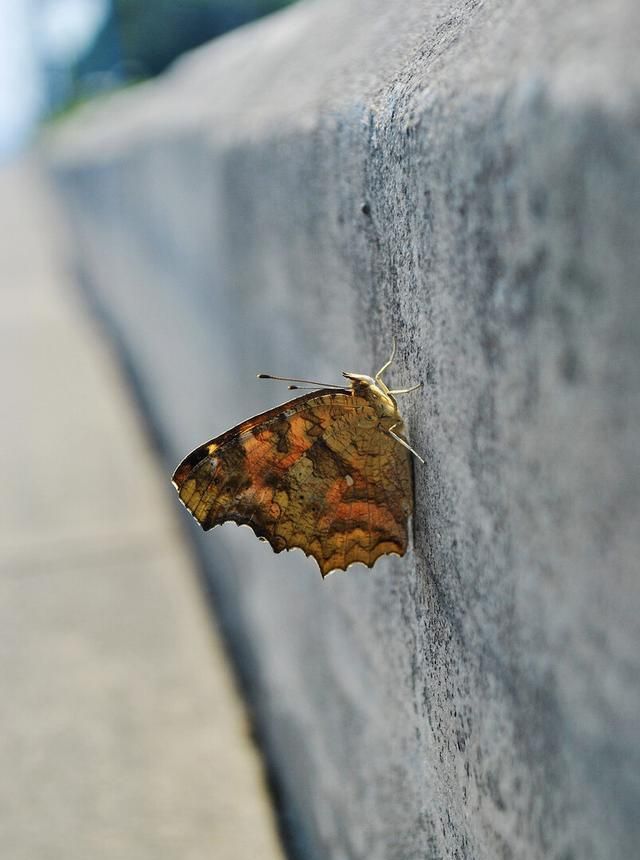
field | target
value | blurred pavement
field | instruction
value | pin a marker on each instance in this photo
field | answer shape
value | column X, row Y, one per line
column 121, row 733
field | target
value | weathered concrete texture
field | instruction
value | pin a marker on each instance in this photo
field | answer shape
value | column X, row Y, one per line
column 464, row 176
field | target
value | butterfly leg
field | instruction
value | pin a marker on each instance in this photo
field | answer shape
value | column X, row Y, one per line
column 403, row 442
column 388, row 363
column 406, row 390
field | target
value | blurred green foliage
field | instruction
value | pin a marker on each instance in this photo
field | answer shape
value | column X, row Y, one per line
column 147, row 35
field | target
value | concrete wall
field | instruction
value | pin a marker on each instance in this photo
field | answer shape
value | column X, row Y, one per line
column 464, row 176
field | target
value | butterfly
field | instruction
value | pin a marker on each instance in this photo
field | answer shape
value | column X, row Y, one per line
column 329, row 472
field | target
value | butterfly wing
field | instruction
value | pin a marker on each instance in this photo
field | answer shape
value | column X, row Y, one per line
column 318, row 473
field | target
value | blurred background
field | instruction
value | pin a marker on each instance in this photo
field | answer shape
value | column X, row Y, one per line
column 55, row 54
column 122, row 733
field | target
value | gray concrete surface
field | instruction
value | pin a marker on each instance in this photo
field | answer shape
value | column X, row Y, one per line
column 465, row 177
column 121, row 732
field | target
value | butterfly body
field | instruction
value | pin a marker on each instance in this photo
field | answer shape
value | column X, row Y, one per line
column 326, row 472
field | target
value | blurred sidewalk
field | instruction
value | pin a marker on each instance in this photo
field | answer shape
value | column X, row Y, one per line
column 121, row 734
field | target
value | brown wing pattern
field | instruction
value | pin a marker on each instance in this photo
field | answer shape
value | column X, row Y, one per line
column 318, row 473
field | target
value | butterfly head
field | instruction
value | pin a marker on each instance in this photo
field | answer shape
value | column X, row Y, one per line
column 374, row 390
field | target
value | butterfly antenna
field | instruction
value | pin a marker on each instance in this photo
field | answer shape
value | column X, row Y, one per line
column 311, row 382
column 303, row 387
